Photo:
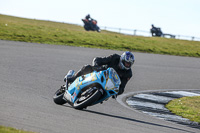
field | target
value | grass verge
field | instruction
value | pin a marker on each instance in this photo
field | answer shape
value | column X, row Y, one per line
column 37, row 31
column 187, row 107
column 4, row 129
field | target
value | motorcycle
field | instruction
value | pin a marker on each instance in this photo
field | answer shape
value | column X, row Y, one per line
column 156, row 32
column 90, row 24
column 89, row 89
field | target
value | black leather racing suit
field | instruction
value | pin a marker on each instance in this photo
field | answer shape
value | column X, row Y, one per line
column 102, row 63
column 113, row 61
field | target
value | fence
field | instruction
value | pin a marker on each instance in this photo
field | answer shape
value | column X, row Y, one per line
column 136, row 32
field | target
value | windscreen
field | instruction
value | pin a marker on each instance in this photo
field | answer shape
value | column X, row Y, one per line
column 115, row 76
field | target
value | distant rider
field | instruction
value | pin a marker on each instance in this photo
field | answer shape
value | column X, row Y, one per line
column 91, row 21
column 156, row 31
column 122, row 65
column 87, row 17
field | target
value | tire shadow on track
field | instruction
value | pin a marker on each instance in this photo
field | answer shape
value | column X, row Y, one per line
column 134, row 120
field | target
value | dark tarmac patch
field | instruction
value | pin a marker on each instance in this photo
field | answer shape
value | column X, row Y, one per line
column 153, row 103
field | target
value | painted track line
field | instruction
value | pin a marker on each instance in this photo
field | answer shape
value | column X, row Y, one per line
column 153, row 103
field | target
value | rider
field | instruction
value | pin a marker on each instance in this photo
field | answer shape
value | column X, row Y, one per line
column 87, row 17
column 122, row 65
column 156, row 31
column 91, row 21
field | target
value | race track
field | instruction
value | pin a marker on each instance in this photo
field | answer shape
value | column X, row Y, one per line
column 31, row 73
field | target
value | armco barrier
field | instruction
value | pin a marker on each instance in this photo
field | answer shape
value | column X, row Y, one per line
column 136, row 32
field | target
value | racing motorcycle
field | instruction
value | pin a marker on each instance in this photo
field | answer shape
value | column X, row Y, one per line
column 156, row 32
column 89, row 89
column 90, row 24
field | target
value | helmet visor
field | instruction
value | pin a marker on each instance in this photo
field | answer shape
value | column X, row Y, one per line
column 127, row 64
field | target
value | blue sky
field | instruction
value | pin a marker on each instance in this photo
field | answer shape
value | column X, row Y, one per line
column 179, row 17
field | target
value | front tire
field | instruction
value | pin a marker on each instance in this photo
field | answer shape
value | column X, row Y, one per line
column 89, row 100
column 58, row 97
column 86, row 28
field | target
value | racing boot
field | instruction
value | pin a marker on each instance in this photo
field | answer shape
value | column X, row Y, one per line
column 70, row 77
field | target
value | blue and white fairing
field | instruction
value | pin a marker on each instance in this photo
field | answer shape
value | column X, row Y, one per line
column 107, row 79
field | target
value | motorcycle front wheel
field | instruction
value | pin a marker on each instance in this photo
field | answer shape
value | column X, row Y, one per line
column 87, row 98
column 58, row 97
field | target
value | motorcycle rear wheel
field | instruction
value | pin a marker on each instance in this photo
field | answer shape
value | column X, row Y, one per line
column 82, row 103
column 58, row 97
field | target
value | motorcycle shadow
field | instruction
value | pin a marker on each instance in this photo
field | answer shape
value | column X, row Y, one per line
column 128, row 119
column 67, row 105
column 134, row 120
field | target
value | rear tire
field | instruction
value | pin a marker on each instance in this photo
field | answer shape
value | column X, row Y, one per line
column 58, row 97
column 81, row 104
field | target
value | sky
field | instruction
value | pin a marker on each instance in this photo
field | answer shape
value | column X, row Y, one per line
column 178, row 17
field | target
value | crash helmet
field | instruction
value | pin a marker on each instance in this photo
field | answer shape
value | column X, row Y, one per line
column 126, row 60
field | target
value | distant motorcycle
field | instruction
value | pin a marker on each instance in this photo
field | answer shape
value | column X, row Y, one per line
column 89, row 89
column 156, row 32
column 90, row 24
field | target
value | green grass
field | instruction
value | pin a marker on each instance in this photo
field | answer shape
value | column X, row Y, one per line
column 37, row 31
column 187, row 107
column 4, row 129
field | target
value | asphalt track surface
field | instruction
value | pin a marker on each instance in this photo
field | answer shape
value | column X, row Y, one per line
column 31, row 73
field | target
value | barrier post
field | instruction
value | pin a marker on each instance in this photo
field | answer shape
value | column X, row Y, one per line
column 134, row 32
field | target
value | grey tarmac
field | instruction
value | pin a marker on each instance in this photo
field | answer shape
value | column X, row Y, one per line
column 30, row 73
